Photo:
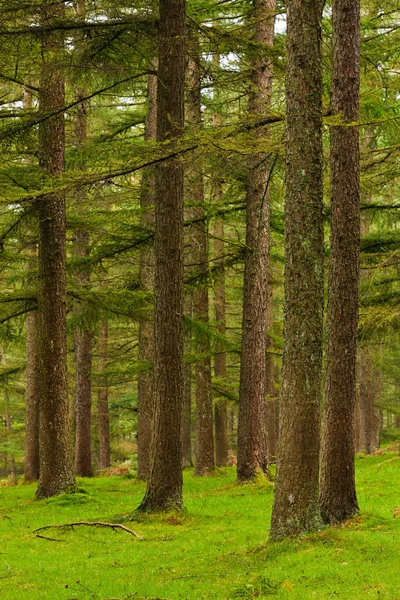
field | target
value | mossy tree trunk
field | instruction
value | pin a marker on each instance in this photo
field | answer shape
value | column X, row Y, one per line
column 252, row 451
column 338, row 490
column 296, row 500
column 164, row 488
column 56, row 474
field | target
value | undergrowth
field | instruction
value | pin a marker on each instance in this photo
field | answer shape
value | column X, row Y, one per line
column 216, row 548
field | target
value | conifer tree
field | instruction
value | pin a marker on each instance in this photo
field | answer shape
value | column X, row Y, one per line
column 296, row 497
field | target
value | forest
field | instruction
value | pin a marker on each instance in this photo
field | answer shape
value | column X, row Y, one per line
column 199, row 300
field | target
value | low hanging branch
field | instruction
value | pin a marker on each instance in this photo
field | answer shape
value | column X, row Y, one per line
column 89, row 524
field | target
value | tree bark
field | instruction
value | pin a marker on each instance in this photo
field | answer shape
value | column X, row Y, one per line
column 56, row 473
column 102, row 400
column 296, row 500
column 146, row 278
column 164, row 488
column 204, row 412
column 252, row 451
column 338, row 489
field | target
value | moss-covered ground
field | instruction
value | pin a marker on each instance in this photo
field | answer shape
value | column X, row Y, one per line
column 218, row 548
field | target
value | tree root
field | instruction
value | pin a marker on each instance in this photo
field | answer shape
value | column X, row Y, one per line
column 89, row 524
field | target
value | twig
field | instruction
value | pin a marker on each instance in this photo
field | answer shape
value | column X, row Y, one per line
column 91, row 524
column 43, row 537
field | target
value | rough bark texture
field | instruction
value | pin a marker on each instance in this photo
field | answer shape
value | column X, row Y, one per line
column 164, row 488
column 102, row 400
column 338, row 489
column 32, row 387
column 296, row 502
column 56, row 473
column 146, row 278
column 252, row 450
column 195, row 195
column 82, row 334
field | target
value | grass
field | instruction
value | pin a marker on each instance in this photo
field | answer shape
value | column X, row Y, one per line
column 218, row 548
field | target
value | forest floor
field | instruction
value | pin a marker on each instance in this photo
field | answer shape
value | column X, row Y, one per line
column 218, row 548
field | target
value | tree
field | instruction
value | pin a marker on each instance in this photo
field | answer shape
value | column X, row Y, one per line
column 164, row 489
column 146, row 277
column 253, row 368
column 296, row 498
column 338, row 492
column 55, row 466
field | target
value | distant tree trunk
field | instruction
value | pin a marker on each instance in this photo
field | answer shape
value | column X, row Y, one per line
column 56, row 473
column 338, row 489
column 10, row 459
column 367, row 395
column 221, row 405
column 164, row 488
column 146, row 278
column 187, row 419
column 102, row 399
column 204, row 412
column 31, row 370
column 296, row 501
column 253, row 377
column 271, row 404
column 357, row 411
column 82, row 334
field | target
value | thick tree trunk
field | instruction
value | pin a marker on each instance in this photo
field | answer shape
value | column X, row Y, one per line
column 56, row 473
column 204, row 414
column 164, row 488
column 338, row 490
column 252, row 451
column 102, row 400
column 146, row 278
column 296, row 503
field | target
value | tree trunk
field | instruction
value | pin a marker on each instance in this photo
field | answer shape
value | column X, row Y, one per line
column 164, row 488
column 204, row 412
column 32, row 386
column 103, row 414
column 367, row 394
column 146, row 278
column 221, row 405
column 187, row 419
column 296, row 502
column 271, row 402
column 56, row 473
column 82, row 334
column 338, row 489
column 31, row 371
column 252, row 449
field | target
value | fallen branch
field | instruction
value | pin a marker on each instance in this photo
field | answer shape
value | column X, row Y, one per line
column 90, row 524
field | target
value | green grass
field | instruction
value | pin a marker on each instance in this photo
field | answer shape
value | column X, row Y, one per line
column 218, row 548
